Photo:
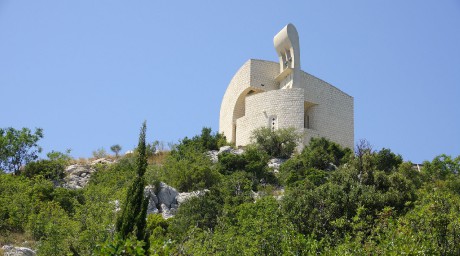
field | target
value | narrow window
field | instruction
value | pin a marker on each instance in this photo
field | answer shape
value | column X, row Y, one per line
column 307, row 122
column 273, row 122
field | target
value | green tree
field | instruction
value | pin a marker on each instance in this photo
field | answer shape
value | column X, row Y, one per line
column 280, row 143
column 387, row 161
column 442, row 167
column 253, row 161
column 313, row 164
column 52, row 168
column 115, row 149
column 188, row 167
column 134, row 211
column 18, row 147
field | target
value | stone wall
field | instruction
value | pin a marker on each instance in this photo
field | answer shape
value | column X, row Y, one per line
column 285, row 106
column 253, row 97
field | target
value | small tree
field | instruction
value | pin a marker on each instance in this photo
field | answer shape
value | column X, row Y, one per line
column 18, row 147
column 133, row 215
column 115, row 149
column 279, row 143
column 99, row 153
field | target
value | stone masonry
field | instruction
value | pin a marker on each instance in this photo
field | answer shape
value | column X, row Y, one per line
column 281, row 95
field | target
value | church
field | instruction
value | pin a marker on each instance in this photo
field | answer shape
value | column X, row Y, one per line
column 280, row 95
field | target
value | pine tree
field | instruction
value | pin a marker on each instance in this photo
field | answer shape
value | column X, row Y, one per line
column 133, row 216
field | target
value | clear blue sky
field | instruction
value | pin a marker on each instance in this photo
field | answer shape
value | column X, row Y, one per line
column 89, row 72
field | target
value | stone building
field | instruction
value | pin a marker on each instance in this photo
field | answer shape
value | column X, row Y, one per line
column 281, row 95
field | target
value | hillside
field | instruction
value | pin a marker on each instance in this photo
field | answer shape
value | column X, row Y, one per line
column 206, row 199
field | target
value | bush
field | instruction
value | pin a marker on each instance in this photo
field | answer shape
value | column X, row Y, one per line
column 49, row 169
column 18, row 148
column 188, row 168
column 313, row 164
column 253, row 161
column 280, row 143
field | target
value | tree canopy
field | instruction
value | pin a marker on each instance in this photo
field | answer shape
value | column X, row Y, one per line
column 18, row 147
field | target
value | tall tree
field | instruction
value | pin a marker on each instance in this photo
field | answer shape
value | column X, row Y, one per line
column 18, row 147
column 133, row 216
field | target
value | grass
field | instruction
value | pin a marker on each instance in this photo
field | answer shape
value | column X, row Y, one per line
column 16, row 239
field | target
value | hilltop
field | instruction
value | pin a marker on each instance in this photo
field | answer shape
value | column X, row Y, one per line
column 324, row 199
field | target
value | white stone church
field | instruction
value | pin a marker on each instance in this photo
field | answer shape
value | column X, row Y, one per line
column 281, row 95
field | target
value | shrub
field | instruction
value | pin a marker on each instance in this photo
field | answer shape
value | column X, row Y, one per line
column 280, row 143
column 18, row 147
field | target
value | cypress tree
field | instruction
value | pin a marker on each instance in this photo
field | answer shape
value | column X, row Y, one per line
column 133, row 215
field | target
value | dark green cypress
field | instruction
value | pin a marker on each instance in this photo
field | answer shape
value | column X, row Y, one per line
column 133, row 215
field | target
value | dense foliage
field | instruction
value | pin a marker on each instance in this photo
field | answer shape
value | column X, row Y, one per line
column 134, row 211
column 278, row 143
column 324, row 200
column 18, row 147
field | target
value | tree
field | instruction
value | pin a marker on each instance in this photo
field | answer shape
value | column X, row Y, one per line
column 314, row 163
column 115, row 148
column 52, row 168
column 18, row 147
column 188, row 167
column 279, row 143
column 133, row 215
column 442, row 167
column 388, row 161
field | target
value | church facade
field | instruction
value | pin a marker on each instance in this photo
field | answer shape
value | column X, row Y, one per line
column 281, row 95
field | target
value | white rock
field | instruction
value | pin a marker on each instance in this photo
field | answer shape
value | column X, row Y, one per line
column 77, row 176
column 166, row 212
column 153, row 200
column 182, row 197
column 238, row 151
column 167, row 195
column 10, row 250
column 212, row 154
column 225, row 149
column 275, row 163
column 101, row 161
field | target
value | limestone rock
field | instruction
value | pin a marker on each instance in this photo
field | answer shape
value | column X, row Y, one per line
column 167, row 201
column 212, row 154
column 237, row 151
column 167, row 195
column 182, row 197
column 149, row 191
column 225, row 149
column 275, row 164
column 10, row 250
column 103, row 161
column 77, row 176
column 166, row 212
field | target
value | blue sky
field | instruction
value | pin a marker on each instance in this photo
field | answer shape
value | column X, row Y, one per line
column 89, row 72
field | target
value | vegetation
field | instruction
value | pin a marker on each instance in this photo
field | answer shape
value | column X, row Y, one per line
column 324, row 200
column 279, row 143
column 134, row 211
column 115, row 149
column 18, row 148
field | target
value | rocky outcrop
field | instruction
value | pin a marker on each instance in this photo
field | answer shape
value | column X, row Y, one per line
column 167, row 195
column 166, row 200
column 77, row 175
column 149, row 191
column 182, row 197
column 214, row 154
column 9, row 250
